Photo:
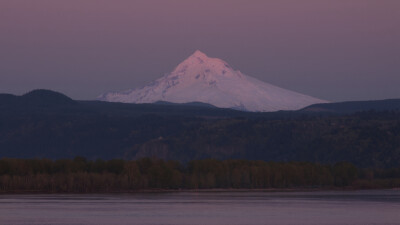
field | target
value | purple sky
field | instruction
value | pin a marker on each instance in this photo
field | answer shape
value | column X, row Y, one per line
column 330, row 49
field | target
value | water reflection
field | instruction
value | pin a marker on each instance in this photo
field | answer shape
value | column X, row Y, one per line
column 354, row 207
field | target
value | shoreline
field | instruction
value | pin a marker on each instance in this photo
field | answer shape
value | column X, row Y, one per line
column 216, row 190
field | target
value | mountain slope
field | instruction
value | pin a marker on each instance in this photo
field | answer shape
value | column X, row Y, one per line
column 210, row 80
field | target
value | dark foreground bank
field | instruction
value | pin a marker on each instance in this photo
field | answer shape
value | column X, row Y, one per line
column 79, row 175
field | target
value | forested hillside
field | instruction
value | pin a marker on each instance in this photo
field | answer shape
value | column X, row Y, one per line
column 54, row 126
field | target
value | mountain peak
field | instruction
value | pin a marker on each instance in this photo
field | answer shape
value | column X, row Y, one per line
column 200, row 78
column 199, row 64
column 199, row 57
column 199, row 54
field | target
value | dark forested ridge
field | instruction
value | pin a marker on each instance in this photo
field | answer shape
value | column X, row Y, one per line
column 82, row 176
column 355, row 106
column 45, row 124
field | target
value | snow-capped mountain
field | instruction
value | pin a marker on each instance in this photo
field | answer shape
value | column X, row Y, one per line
column 200, row 78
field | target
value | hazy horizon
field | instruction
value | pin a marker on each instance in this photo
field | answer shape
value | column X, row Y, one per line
column 332, row 50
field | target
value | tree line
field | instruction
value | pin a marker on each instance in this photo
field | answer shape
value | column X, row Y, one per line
column 80, row 175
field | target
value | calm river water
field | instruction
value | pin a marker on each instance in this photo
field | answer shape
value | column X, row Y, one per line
column 247, row 208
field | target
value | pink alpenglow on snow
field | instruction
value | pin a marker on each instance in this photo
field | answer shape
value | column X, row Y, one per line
column 200, row 78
